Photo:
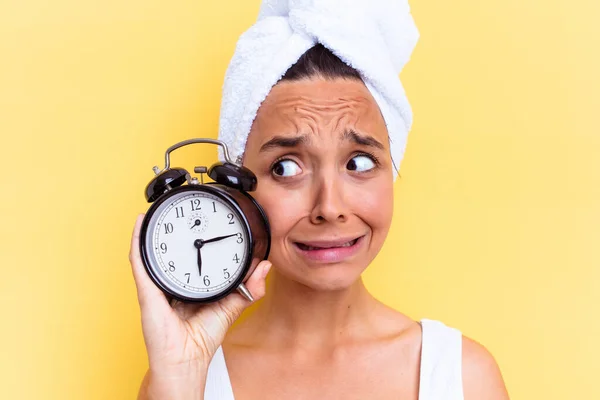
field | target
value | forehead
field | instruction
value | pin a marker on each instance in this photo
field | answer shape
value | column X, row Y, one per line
column 318, row 106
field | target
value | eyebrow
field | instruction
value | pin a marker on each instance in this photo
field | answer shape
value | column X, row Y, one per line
column 363, row 140
column 282, row 141
column 290, row 142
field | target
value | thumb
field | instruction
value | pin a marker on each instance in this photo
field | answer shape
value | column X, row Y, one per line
column 235, row 303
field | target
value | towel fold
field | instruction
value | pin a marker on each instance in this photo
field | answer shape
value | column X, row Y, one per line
column 375, row 37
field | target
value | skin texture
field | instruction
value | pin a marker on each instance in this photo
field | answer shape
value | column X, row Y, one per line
column 318, row 333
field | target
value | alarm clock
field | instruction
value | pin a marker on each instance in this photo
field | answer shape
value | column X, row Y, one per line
column 201, row 241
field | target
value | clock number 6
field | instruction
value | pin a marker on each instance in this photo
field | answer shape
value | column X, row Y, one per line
column 206, row 281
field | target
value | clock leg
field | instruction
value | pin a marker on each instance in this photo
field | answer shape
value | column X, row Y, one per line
column 245, row 292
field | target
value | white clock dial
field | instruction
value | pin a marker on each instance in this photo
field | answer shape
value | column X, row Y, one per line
column 173, row 240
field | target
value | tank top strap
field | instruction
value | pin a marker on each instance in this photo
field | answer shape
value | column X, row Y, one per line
column 218, row 385
column 441, row 362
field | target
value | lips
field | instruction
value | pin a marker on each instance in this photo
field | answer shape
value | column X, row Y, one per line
column 326, row 245
column 329, row 251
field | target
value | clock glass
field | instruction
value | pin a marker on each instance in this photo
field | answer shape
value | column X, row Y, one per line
column 197, row 244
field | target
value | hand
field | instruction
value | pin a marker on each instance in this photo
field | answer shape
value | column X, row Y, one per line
column 181, row 338
column 198, row 243
column 216, row 239
column 196, row 223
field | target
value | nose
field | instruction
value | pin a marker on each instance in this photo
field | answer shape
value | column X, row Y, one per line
column 329, row 201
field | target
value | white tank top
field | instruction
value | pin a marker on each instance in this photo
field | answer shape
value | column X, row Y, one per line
column 440, row 375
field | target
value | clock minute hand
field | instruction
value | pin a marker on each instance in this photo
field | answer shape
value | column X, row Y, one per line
column 198, row 243
column 216, row 239
column 199, row 262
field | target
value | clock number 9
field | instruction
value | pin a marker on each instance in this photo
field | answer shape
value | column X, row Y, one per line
column 163, row 248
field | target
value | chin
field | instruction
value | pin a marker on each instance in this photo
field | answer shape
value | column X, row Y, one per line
column 332, row 277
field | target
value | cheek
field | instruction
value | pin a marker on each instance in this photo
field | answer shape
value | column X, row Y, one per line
column 284, row 208
column 375, row 206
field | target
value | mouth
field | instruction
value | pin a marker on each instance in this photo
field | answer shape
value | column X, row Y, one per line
column 324, row 245
column 329, row 251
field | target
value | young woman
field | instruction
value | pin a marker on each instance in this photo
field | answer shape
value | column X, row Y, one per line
column 319, row 148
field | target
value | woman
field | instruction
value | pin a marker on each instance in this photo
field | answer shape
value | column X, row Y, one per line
column 319, row 147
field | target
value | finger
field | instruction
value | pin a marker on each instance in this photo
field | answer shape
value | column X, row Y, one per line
column 149, row 295
column 256, row 283
column 235, row 303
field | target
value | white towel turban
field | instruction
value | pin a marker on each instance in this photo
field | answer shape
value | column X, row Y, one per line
column 375, row 37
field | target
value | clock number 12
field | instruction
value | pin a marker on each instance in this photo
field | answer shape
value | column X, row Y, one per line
column 195, row 204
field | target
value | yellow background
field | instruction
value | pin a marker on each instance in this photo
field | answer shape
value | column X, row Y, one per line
column 496, row 227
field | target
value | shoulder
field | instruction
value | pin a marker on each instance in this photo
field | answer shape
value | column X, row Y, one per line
column 482, row 378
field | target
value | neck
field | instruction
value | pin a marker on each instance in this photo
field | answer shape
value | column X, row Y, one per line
column 294, row 314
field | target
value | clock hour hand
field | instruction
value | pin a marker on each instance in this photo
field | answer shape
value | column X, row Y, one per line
column 216, row 239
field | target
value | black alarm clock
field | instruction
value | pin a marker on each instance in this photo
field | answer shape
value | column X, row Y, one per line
column 200, row 241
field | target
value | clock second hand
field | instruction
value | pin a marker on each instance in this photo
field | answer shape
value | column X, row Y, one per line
column 196, row 223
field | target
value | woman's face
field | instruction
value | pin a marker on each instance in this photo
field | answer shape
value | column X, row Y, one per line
column 320, row 151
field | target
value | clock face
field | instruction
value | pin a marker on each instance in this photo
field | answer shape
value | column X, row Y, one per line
column 196, row 244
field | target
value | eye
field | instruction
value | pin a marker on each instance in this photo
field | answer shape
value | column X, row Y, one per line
column 361, row 163
column 286, row 168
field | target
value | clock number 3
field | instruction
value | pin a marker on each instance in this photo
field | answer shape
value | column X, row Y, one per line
column 240, row 239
